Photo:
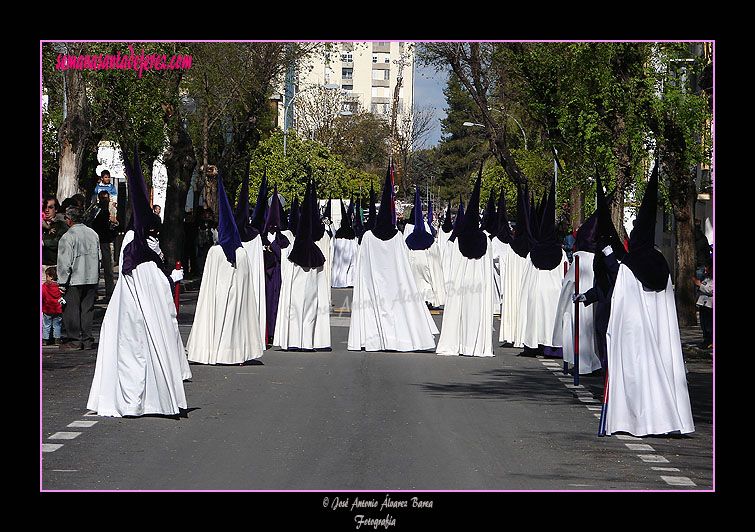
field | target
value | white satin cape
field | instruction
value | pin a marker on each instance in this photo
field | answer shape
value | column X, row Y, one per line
column 226, row 324
column 428, row 274
column 467, row 327
column 141, row 361
column 303, row 319
column 563, row 329
column 388, row 311
column 647, row 384
column 511, row 288
column 344, row 262
column 538, row 298
column 255, row 253
column 501, row 251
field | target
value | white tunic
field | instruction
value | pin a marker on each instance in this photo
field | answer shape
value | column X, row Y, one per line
column 141, row 361
column 647, row 384
column 388, row 311
column 501, row 251
column 511, row 284
column 467, row 327
column 563, row 329
column 428, row 274
column 226, row 324
column 303, row 319
column 344, row 262
column 255, row 253
column 538, row 300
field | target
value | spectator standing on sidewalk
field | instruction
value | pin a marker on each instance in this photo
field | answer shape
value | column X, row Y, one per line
column 78, row 266
column 53, row 228
column 105, row 224
column 52, row 309
column 705, row 303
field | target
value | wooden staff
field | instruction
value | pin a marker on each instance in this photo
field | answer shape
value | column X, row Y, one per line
column 604, row 408
column 566, row 364
column 576, row 321
column 178, row 287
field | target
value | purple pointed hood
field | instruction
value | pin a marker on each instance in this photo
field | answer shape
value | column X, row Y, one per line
column 228, row 234
column 260, row 207
column 419, row 238
column 143, row 219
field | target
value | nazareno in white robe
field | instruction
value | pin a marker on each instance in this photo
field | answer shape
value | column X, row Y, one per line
column 226, row 324
column 428, row 274
column 501, row 251
column 303, row 320
column 647, row 383
column 254, row 251
column 344, row 262
column 326, row 246
column 563, row 329
column 141, row 361
column 538, row 300
column 511, row 284
column 388, row 312
column 467, row 327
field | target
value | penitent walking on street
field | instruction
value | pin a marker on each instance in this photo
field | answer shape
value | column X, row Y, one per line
column 300, row 295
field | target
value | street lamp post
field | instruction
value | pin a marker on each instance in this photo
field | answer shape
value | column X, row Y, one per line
column 339, row 113
column 524, row 135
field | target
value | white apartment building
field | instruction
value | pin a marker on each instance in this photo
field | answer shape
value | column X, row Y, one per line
column 366, row 74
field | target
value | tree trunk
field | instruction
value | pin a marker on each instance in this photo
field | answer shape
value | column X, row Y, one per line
column 75, row 132
column 179, row 163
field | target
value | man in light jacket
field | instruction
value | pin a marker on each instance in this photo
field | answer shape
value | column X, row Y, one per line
column 79, row 257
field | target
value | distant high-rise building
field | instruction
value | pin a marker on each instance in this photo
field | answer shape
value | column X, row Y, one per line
column 366, row 74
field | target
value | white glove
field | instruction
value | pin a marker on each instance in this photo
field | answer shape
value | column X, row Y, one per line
column 62, row 301
column 177, row 275
column 154, row 245
column 578, row 297
column 607, row 250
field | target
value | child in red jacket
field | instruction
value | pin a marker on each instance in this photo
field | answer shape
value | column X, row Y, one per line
column 52, row 307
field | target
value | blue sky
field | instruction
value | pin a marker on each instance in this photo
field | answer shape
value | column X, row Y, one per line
column 428, row 92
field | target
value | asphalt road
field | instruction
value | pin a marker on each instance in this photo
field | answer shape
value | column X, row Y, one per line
column 345, row 422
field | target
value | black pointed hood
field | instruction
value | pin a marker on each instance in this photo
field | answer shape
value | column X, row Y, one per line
column 305, row 252
column 473, row 243
column 419, row 238
column 260, row 207
column 293, row 215
column 358, row 224
column 385, row 228
column 318, row 227
column 607, row 233
column 327, row 213
column 143, row 219
column 546, row 252
column 372, row 215
column 247, row 231
column 228, row 234
column 587, row 234
column 503, row 232
column 647, row 263
column 346, row 230
column 521, row 241
column 274, row 222
column 448, row 225
column 489, row 218
column 457, row 221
